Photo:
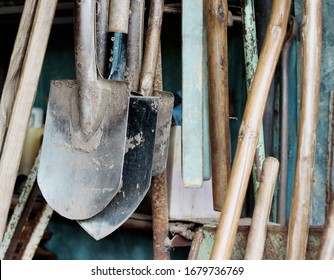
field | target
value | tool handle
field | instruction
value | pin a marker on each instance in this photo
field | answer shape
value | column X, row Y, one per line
column 117, row 38
column 86, row 73
column 101, row 36
column 135, row 43
column 151, row 47
column 15, row 65
column 119, row 16
column 84, row 42
column 258, row 229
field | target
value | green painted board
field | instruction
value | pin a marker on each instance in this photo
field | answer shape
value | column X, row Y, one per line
column 192, row 93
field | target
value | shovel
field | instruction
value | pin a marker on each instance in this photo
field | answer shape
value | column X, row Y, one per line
column 138, row 160
column 85, row 132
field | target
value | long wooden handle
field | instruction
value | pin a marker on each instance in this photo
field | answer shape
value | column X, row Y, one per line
column 327, row 244
column 307, row 134
column 216, row 15
column 258, row 229
column 135, row 42
column 15, row 65
column 24, row 101
column 119, row 16
column 248, row 133
column 151, row 47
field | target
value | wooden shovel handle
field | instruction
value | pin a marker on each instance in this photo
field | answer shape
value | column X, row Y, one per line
column 86, row 72
column 258, row 229
column 307, row 134
column 248, row 133
column 119, row 16
column 216, row 13
column 135, row 42
column 151, row 47
column 15, row 64
column 101, row 36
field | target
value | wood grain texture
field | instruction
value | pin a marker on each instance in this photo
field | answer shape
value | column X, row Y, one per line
column 31, row 70
column 248, row 133
column 15, row 65
column 217, row 20
column 258, row 229
column 307, row 133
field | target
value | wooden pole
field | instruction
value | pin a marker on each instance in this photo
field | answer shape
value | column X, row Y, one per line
column 307, row 135
column 31, row 70
column 258, row 229
column 217, row 20
column 15, row 65
column 248, row 133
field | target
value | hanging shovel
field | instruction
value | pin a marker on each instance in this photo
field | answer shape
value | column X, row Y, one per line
column 151, row 56
column 138, row 160
column 85, row 132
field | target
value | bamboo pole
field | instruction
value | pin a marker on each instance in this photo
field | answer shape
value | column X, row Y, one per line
column 258, row 229
column 15, row 65
column 25, row 97
column 307, row 134
column 248, row 133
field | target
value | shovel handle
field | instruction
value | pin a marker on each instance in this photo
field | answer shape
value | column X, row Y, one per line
column 119, row 16
column 135, row 43
column 151, row 47
column 258, row 229
column 86, row 73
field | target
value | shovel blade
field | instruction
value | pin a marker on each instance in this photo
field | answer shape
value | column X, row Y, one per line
column 79, row 178
column 137, row 170
column 163, row 131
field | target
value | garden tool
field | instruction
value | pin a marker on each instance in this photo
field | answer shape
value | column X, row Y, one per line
column 85, row 132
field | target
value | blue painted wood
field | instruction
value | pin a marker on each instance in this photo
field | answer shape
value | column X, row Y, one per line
column 192, row 93
column 206, row 120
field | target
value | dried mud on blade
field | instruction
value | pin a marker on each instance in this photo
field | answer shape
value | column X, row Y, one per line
column 80, row 169
column 137, row 171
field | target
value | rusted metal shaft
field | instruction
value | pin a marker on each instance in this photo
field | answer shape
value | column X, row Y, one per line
column 284, row 121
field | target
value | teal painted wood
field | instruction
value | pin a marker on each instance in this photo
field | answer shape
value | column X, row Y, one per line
column 251, row 60
column 206, row 125
column 192, row 93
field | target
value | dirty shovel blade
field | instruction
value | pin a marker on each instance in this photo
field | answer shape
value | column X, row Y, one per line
column 137, row 170
column 77, row 178
column 163, row 131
